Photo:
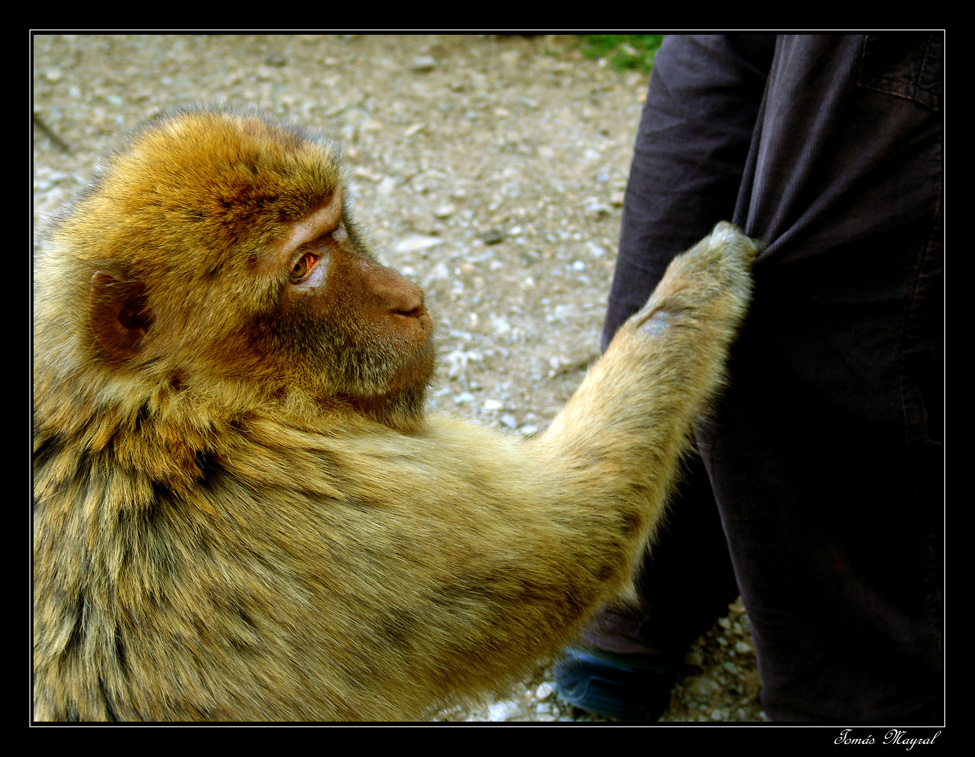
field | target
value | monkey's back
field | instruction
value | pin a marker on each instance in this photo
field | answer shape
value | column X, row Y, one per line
column 285, row 585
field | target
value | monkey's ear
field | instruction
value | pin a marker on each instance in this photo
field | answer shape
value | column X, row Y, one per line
column 119, row 314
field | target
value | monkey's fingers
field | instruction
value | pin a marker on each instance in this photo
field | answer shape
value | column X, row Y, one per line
column 709, row 284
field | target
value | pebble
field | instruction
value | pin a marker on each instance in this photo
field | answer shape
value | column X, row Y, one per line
column 422, row 63
column 417, row 244
column 508, row 421
column 492, row 236
column 501, row 711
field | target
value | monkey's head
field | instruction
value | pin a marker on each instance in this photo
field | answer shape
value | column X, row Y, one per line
column 218, row 246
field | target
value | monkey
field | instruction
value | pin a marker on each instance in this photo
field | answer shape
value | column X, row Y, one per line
column 242, row 508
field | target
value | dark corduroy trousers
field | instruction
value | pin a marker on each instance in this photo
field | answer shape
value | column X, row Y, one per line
column 820, row 497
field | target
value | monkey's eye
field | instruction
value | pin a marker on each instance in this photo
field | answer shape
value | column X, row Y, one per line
column 305, row 265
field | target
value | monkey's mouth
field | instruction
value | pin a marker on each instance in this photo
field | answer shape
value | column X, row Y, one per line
column 418, row 322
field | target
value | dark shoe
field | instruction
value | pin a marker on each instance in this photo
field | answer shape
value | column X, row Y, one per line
column 633, row 687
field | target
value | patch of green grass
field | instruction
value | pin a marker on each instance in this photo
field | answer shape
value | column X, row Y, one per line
column 623, row 51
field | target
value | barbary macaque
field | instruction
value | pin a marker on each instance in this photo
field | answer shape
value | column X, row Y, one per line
column 242, row 510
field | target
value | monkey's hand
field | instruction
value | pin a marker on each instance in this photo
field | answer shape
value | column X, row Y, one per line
column 710, row 283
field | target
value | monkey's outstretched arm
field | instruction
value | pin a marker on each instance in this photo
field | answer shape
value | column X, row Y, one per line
column 634, row 410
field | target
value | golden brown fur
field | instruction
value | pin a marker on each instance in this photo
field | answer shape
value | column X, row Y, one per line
column 236, row 520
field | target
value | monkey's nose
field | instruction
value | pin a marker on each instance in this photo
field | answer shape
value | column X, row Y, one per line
column 408, row 299
column 412, row 312
column 399, row 295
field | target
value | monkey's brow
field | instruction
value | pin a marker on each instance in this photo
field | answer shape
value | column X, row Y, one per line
column 314, row 225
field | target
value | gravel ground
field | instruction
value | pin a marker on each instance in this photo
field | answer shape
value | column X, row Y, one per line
column 491, row 171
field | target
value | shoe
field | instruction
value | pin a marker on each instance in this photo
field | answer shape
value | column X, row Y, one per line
column 633, row 687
